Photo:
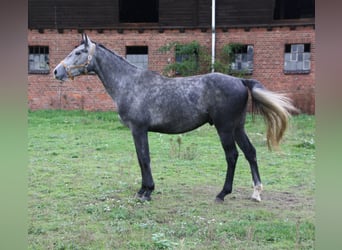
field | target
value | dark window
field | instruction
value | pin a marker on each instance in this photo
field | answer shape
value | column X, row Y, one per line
column 297, row 58
column 294, row 9
column 184, row 54
column 137, row 55
column 38, row 61
column 243, row 59
column 138, row 11
column 187, row 59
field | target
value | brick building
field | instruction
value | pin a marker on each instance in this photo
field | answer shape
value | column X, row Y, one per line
column 280, row 34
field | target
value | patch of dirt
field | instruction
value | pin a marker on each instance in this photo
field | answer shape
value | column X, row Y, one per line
column 275, row 199
column 240, row 198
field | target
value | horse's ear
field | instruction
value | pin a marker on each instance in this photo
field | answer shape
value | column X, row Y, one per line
column 85, row 39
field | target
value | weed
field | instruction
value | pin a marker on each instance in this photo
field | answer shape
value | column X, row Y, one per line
column 176, row 151
column 160, row 242
column 308, row 144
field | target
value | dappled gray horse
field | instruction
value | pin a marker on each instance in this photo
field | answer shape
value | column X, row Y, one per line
column 147, row 101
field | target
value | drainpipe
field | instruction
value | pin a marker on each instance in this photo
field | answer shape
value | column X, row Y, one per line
column 213, row 34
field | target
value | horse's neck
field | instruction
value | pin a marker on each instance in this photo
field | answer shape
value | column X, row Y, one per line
column 114, row 72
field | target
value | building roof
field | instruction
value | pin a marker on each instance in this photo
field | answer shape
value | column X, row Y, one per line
column 156, row 14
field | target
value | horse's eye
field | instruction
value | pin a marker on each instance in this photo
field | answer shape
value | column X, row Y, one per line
column 77, row 53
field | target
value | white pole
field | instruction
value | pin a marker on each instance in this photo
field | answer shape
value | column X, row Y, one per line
column 213, row 33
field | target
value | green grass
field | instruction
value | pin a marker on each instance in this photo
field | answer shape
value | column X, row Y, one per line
column 83, row 175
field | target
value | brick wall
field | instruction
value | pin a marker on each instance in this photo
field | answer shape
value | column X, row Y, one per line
column 87, row 92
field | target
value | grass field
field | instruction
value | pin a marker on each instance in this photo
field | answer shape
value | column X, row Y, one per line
column 83, row 175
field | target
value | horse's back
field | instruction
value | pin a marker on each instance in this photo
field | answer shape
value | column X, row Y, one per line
column 225, row 90
column 228, row 84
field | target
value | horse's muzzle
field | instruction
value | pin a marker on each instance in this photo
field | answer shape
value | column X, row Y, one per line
column 60, row 73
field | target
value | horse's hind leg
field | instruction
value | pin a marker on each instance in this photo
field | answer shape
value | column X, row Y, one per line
column 231, row 153
column 250, row 153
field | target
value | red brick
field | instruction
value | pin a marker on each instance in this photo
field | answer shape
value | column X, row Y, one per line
column 88, row 93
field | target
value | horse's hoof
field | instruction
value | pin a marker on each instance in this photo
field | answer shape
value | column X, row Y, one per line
column 143, row 198
column 256, row 193
column 138, row 196
column 219, row 200
column 256, row 198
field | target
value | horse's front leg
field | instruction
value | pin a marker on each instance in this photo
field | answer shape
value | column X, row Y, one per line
column 143, row 154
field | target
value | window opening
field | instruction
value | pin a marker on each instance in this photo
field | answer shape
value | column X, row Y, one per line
column 137, row 55
column 38, row 61
column 243, row 59
column 294, row 9
column 187, row 58
column 297, row 58
column 137, row 11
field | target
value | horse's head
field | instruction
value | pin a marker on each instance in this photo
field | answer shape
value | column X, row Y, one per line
column 78, row 62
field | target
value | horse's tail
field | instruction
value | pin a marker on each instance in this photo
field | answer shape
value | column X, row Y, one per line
column 274, row 107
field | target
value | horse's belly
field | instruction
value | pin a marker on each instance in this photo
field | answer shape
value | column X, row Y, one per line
column 178, row 124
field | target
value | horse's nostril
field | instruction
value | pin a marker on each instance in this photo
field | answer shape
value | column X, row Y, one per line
column 55, row 72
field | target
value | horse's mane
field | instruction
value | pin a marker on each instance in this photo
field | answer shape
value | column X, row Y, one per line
column 126, row 61
column 118, row 56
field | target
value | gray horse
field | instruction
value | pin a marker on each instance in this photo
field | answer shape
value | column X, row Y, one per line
column 147, row 101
